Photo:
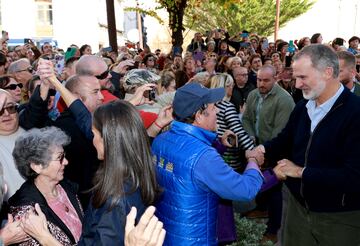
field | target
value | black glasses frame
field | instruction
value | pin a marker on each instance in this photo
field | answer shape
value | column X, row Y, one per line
column 61, row 158
column 13, row 86
column 11, row 109
column 104, row 75
column 29, row 69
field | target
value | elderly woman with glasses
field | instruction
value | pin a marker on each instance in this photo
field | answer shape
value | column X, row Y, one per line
column 125, row 179
column 40, row 158
column 9, row 131
column 8, row 83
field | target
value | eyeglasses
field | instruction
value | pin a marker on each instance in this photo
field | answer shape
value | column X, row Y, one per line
column 11, row 109
column 151, row 59
column 13, row 86
column 104, row 75
column 52, row 92
column 29, row 69
column 61, row 158
column 242, row 74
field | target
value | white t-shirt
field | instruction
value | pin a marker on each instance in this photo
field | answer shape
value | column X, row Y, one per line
column 12, row 176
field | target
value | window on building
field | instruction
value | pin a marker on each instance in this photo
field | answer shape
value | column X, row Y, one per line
column 44, row 13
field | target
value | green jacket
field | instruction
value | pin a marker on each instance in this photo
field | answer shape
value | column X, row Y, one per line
column 357, row 89
column 274, row 113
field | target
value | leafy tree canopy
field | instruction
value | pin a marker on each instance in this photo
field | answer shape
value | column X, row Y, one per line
column 257, row 16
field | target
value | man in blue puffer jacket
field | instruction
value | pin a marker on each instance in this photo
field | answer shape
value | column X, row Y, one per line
column 193, row 174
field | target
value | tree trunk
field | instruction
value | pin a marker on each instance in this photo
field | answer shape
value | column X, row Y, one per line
column 110, row 9
column 176, row 15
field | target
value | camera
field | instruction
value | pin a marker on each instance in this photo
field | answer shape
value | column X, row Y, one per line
column 152, row 94
column 231, row 139
column 27, row 41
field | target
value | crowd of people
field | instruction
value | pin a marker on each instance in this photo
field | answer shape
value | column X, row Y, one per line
column 140, row 148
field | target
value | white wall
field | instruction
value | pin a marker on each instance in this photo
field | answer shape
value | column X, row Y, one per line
column 75, row 22
column 331, row 18
column 18, row 18
column 78, row 22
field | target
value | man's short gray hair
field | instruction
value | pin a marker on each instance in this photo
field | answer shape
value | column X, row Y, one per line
column 36, row 146
column 321, row 57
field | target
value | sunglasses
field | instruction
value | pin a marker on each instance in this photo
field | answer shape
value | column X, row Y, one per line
column 61, row 158
column 104, row 75
column 11, row 109
column 29, row 69
column 13, row 86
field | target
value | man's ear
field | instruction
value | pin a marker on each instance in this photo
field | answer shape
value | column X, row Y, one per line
column 353, row 72
column 329, row 72
column 198, row 118
column 78, row 96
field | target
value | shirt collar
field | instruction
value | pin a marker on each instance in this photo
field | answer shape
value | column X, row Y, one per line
column 326, row 106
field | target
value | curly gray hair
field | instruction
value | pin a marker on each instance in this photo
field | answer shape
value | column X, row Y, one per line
column 36, row 146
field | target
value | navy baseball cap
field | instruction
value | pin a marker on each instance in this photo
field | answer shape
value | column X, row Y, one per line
column 190, row 97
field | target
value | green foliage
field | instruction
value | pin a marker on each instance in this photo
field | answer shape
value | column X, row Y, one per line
column 257, row 16
column 249, row 232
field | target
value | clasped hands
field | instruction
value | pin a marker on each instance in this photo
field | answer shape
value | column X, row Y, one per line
column 256, row 155
column 286, row 168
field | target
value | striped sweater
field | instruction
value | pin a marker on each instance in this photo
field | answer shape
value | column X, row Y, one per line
column 228, row 119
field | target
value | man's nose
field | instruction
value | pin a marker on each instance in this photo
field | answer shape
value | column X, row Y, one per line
column 298, row 84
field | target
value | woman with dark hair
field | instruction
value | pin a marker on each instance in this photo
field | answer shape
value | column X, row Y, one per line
column 305, row 41
column 8, row 83
column 338, row 44
column 316, row 38
column 282, row 48
column 126, row 177
column 150, row 63
column 188, row 71
column 224, row 49
column 3, row 63
column 85, row 50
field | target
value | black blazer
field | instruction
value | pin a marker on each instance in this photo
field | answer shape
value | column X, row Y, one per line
column 28, row 194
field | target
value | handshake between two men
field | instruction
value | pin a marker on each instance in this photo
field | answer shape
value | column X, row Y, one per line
column 284, row 168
